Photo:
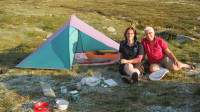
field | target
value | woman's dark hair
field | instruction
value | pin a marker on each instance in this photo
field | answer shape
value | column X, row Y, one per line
column 130, row 28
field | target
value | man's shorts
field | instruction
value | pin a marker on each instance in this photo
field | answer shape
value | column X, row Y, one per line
column 166, row 62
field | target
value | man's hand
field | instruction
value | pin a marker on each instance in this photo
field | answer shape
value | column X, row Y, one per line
column 177, row 63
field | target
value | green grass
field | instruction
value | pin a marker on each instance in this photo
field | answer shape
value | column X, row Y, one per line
column 25, row 25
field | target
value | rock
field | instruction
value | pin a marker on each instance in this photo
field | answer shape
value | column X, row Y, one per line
column 111, row 29
column 37, row 7
column 182, row 38
column 196, row 33
column 104, row 27
column 48, row 35
column 147, row 93
column 156, row 108
column 49, row 15
column 198, row 18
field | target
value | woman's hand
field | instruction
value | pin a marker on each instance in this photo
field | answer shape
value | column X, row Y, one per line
column 124, row 61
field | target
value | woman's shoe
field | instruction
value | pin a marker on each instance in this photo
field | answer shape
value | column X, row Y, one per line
column 126, row 79
column 135, row 77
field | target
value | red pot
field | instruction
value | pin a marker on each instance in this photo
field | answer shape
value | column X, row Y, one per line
column 41, row 107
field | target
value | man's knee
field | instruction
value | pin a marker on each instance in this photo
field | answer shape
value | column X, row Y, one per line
column 153, row 69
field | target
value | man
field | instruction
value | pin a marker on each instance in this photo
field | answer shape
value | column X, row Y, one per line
column 159, row 54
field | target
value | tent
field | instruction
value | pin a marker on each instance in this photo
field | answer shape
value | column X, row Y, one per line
column 58, row 51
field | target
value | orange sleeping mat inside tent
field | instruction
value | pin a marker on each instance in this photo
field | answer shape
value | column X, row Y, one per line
column 92, row 55
column 90, row 58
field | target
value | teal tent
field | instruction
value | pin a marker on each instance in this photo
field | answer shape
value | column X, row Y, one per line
column 58, row 51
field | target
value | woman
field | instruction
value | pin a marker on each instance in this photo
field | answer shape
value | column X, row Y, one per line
column 131, row 53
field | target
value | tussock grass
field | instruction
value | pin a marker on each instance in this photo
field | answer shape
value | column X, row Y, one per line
column 10, row 100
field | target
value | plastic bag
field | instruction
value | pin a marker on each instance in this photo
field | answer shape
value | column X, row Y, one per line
column 47, row 90
column 90, row 81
